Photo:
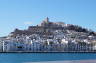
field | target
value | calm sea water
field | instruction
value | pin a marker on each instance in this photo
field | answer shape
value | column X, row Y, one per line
column 36, row 57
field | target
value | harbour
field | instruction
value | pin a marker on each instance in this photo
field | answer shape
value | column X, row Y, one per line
column 45, row 57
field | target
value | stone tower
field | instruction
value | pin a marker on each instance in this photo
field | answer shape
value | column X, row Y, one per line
column 46, row 20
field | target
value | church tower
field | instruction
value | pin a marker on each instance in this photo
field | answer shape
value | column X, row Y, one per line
column 46, row 20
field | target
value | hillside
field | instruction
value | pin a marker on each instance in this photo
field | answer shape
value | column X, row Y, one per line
column 51, row 36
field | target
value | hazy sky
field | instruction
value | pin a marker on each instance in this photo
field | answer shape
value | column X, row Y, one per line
column 23, row 13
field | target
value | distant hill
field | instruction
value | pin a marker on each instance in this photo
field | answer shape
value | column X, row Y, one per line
column 47, row 28
column 50, row 36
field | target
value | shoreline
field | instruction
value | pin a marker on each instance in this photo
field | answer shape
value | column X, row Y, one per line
column 49, row 52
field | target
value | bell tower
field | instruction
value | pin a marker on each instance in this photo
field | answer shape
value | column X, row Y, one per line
column 46, row 20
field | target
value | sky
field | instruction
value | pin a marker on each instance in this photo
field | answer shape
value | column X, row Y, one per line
column 23, row 13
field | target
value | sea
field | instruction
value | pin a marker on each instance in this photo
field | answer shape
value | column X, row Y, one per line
column 40, row 57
